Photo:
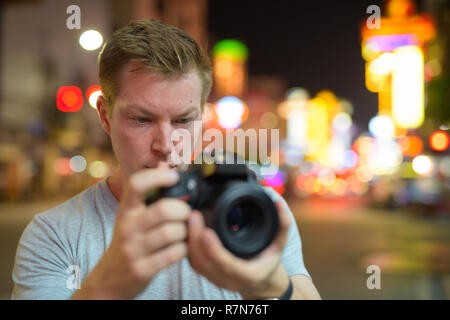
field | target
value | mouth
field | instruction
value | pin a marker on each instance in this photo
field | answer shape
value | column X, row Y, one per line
column 171, row 166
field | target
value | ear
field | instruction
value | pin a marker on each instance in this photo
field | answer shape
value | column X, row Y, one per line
column 103, row 114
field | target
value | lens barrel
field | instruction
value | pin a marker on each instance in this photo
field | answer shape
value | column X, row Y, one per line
column 245, row 218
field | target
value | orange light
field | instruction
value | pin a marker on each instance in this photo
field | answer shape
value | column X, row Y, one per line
column 411, row 145
column 439, row 141
column 69, row 99
column 400, row 8
column 312, row 185
column 339, row 187
column 300, row 182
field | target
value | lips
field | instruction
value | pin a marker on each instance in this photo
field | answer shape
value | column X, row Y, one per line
column 171, row 166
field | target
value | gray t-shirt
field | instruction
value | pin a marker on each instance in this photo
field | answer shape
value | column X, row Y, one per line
column 61, row 246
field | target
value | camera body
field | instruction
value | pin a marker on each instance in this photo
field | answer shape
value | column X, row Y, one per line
column 232, row 203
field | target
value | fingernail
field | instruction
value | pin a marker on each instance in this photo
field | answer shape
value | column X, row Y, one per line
column 195, row 218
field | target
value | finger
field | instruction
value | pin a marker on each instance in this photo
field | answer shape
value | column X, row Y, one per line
column 150, row 265
column 284, row 221
column 196, row 225
column 162, row 211
column 217, row 253
column 162, row 236
column 144, row 180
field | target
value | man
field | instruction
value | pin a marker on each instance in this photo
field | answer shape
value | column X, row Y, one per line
column 155, row 79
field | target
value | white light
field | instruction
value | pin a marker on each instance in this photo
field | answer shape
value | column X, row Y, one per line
column 229, row 111
column 297, row 94
column 91, row 40
column 342, row 122
column 77, row 163
column 408, row 87
column 383, row 64
column 350, row 159
column 422, row 165
column 296, row 128
column 385, row 158
column 382, row 127
column 93, row 98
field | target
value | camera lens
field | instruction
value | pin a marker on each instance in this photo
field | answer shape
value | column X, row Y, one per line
column 239, row 218
column 245, row 218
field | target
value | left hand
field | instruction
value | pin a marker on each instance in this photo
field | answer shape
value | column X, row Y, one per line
column 254, row 278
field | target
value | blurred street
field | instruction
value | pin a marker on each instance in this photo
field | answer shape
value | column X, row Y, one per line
column 341, row 238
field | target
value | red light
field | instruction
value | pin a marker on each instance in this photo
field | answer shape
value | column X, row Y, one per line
column 439, row 140
column 69, row 99
column 92, row 89
column 62, row 167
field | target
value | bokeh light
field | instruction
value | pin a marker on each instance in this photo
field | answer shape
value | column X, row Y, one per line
column 342, row 122
column 411, row 145
column 422, row 165
column 230, row 112
column 92, row 94
column 269, row 120
column 91, row 40
column 69, row 99
column 382, row 127
column 77, row 163
column 350, row 159
column 326, row 176
column 408, row 87
column 363, row 173
column 98, row 169
column 275, row 180
column 439, row 140
column 383, row 64
column 62, row 167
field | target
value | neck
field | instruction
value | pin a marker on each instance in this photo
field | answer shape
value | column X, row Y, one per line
column 116, row 182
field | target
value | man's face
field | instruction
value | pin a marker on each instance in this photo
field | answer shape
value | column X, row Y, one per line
column 148, row 108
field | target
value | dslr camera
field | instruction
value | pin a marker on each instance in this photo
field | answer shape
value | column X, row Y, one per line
column 232, row 202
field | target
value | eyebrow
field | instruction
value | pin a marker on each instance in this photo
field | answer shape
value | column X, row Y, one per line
column 152, row 115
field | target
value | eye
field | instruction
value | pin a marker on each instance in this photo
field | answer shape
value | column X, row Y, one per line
column 183, row 121
column 142, row 120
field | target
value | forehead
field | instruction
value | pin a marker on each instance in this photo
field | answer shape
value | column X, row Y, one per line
column 157, row 92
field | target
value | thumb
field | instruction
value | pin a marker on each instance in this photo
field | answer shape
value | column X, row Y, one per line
column 141, row 182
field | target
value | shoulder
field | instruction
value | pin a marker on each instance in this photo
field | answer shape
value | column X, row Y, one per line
column 71, row 209
column 65, row 218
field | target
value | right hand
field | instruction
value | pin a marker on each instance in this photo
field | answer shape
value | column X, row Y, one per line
column 146, row 239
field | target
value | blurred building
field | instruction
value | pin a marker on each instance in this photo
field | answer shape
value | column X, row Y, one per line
column 41, row 54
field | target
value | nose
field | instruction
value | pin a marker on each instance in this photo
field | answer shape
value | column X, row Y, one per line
column 162, row 142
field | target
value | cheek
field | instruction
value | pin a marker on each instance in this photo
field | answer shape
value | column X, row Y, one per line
column 130, row 143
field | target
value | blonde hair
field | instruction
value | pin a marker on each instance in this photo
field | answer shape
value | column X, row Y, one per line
column 162, row 48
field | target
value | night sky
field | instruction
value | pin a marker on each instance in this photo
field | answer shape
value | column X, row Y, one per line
column 312, row 44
